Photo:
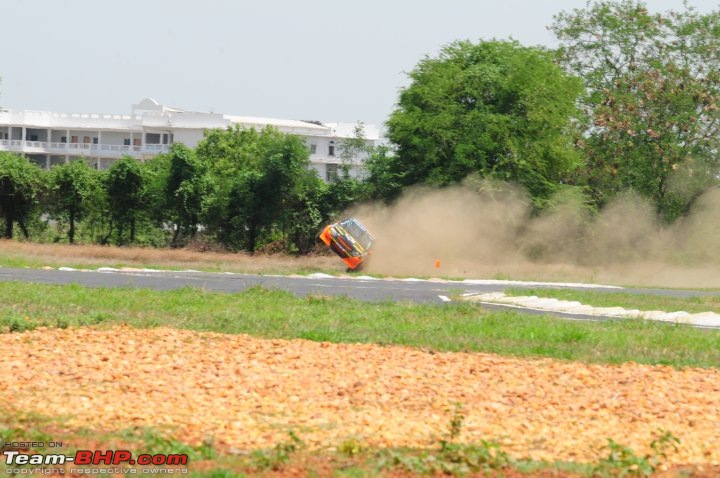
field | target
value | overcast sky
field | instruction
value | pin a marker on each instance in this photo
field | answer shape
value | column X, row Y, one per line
column 329, row 60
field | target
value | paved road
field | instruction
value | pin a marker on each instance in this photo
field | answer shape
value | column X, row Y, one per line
column 363, row 289
column 359, row 288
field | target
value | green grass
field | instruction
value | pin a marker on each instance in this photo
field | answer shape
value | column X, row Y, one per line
column 22, row 262
column 708, row 303
column 278, row 314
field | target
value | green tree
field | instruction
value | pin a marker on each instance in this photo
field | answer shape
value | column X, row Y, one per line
column 157, row 172
column 653, row 83
column 386, row 175
column 231, row 150
column 354, row 149
column 342, row 193
column 307, row 211
column 21, row 184
column 495, row 108
column 346, row 189
column 73, row 191
column 186, row 188
column 256, row 174
column 126, row 184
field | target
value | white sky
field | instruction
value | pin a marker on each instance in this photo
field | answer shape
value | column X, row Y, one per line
column 329, row 60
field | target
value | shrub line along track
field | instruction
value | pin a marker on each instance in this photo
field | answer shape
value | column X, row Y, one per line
column 362, row 287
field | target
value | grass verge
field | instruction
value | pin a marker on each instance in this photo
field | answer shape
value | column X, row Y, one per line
column 277, row 314
column 646, row 302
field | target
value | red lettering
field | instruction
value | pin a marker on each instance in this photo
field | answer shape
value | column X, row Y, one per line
column 177, row 459
column 87, row 457
column 106, row 458
column 121, row 456
column 83, row 457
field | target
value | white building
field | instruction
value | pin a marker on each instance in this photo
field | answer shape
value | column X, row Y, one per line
column 47, row 138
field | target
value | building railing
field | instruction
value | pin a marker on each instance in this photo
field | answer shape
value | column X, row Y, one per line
column 79, row 148
column 50, row 114
column 13, row 144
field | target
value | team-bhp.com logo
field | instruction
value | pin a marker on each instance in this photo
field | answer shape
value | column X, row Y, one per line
column 97, row 457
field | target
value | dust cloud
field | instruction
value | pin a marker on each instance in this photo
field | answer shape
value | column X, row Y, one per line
column 484, row 229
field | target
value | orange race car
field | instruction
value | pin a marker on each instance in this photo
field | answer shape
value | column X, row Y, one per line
column 350, row 240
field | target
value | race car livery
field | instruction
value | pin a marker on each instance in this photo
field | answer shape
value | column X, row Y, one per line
column 350, row 240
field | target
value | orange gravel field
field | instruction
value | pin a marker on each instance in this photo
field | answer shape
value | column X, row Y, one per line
column 248, row 392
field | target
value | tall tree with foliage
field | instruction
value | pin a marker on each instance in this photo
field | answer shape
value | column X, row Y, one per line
column 186, row 188
column 73, row 190
column 308, row 209
column 256, row 174
column 386, row 175
column 126, row 184
column 354, row 149
column 157, row 171
column 229, row 151
column 653, row 84
column 21, row 184
column 495, row 108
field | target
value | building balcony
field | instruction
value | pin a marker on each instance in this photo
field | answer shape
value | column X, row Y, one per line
column 81, row 149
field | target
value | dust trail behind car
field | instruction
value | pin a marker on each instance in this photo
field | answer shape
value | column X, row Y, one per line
column 487, row 229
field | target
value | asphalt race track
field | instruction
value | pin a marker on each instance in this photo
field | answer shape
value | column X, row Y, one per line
column 362, row 288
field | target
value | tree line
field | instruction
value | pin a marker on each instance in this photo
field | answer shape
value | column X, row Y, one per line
column 242, row 188
column 628, row 101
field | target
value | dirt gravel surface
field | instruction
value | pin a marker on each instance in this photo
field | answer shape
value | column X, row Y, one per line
column 248, row 392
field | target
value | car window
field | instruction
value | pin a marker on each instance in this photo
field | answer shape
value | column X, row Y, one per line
column 358, row 232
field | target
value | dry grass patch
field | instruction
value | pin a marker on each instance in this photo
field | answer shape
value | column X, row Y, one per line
column 21, row 254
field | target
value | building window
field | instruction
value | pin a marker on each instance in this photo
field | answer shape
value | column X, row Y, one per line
column 74, row 139
column 126, row 141
column 313, row 148
column 33, row 137
column 165, row 139
column 63, row 139
column 152, row 138
column 331, row 172
column 331, row 148
column 95, row 140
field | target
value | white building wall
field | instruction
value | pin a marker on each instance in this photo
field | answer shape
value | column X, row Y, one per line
column 57, row 135
column 149, row 117
column 116, row 137
column 188, row 137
